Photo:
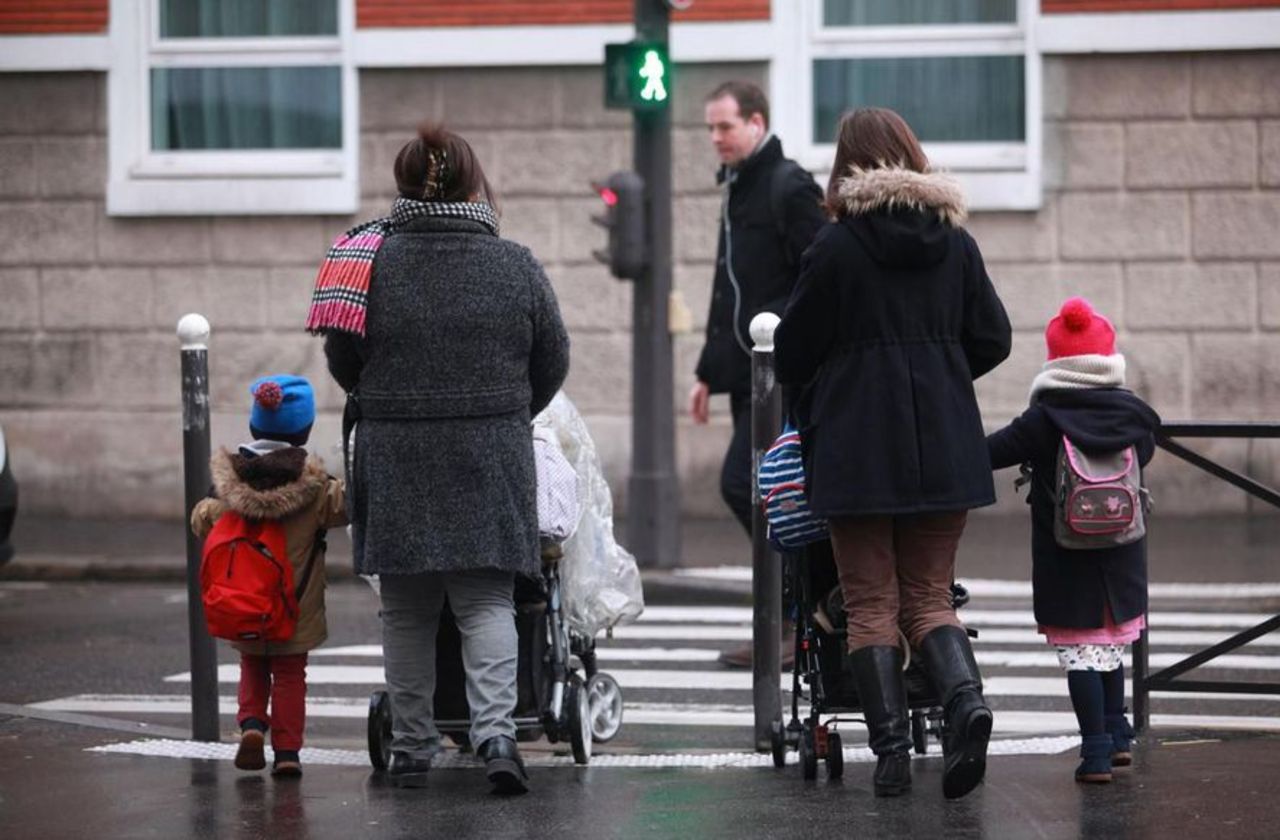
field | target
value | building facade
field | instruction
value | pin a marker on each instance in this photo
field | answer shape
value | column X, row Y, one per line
column 165, row 156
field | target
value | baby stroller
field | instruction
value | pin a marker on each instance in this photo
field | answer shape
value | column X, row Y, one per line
column 560, row 693
column 819, row 677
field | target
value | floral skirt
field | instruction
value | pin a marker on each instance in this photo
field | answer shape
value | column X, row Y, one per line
column 1096, row 649
column 1090, row 657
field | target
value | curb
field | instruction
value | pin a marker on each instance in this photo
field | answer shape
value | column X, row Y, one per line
column 660, row 587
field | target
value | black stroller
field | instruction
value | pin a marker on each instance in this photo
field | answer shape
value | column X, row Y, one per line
column 554, row 697
column 819, row 677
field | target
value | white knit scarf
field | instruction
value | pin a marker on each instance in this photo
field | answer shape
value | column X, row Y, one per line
column 1076, row 372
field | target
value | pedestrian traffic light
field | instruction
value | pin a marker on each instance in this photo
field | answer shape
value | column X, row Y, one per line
column 628, row 253
column 637, row 76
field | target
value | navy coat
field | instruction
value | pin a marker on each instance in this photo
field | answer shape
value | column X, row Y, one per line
column 1071, row 586
column 891, row 321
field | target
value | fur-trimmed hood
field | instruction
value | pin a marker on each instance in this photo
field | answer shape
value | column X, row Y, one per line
column 890, row 188
column 267, row 502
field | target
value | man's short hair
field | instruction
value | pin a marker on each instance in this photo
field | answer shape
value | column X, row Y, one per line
column 748, row 95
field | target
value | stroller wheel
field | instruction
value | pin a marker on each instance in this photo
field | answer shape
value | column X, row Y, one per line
column 604, row 696
column 919, row 732
column 778, row 743
column 380, row 730
column 835, row 756
column 579, row 720
column 808, row 755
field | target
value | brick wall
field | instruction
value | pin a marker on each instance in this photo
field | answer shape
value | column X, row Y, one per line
column 1163, row 207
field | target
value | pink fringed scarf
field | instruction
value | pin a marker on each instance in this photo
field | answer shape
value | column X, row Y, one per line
column 340, row 300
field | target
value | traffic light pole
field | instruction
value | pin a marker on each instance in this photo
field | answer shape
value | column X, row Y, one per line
column 653, row 527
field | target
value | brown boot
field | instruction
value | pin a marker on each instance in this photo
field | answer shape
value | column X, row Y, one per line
column 740, row 657
column 250, row 755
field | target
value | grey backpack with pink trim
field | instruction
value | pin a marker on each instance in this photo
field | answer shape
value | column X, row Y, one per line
column 1099, row 501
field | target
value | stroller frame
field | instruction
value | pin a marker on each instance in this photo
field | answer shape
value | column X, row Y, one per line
column 816, row 736
column 572, row 700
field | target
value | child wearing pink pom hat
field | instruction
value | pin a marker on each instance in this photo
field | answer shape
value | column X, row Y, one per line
column 1089, row 603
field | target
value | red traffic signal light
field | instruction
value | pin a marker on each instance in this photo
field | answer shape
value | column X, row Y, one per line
column 624, row 217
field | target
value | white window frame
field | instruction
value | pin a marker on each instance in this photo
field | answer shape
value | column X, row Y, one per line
column 997, row 176
column 145, row 182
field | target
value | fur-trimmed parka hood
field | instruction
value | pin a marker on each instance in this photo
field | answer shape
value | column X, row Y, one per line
column 894, row 188
column 904, row 219
column 270, row 486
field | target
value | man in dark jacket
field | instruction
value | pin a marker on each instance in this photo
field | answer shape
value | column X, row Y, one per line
column 770, row 212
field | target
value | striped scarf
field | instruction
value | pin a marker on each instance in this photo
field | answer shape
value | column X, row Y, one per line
column 340, row 300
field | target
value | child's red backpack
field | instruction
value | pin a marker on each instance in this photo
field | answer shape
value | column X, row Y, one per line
column 246, row 581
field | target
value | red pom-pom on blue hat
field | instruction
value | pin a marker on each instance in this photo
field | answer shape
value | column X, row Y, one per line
column 269, row 395
column 1078, row 330
column 284, row 408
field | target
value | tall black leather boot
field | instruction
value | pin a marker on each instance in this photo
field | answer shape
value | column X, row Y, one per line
column 948, row 658
column 877, row 669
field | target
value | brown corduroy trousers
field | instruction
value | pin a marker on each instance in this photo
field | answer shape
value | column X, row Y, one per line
column 896, row 572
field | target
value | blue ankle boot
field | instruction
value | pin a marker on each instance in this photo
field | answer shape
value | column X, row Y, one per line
column 1096, row 752
column 1121, row 733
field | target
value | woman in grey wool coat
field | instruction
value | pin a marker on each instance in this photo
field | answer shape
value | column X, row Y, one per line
column 462, row 345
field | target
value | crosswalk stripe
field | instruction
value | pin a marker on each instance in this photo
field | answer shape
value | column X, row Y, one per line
column 741, row 680
column 975, row 617
column 990, row 587
column 458, row 761
column 634, row 714
column 727, row 633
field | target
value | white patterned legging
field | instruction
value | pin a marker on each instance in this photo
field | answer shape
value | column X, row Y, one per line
column 1090, row 657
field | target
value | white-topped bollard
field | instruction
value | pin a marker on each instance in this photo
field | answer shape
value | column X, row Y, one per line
column 193, row 332
column 193, row 336
column 766, row 566
column 761, row 329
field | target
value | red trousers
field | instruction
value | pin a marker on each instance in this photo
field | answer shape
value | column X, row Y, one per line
column 282, row 680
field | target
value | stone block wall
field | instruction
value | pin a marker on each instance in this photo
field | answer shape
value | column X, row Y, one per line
column 1163, row 190
column 1162, row 206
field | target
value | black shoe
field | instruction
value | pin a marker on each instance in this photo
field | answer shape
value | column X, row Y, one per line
column 287, row 764
column 877, row 670
column 503, row 765
column 948, row 657
column 407, row 771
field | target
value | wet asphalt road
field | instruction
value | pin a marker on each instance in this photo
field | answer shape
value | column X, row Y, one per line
column 59, row 640
column 1180, row 786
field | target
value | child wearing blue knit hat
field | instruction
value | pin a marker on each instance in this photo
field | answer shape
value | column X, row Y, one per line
column 284, row 409
column 273, row 478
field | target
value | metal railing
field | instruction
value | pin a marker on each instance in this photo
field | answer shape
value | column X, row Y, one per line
column 1168, row 679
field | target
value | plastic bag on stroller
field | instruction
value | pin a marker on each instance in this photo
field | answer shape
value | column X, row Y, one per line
column 600, row 578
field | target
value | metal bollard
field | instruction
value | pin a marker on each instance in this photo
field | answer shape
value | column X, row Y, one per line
column 193, row 336
column 766, row 566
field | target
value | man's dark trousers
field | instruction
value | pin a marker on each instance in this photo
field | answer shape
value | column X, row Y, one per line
column 735, row 474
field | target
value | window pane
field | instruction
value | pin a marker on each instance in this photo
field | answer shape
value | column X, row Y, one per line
column 907, row 12
column 247, row 18
column 246, row 108
column 959, row 99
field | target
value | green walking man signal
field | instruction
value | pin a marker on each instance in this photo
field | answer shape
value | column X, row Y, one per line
column 637, row 76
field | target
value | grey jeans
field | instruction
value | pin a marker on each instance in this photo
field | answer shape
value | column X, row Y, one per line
column 483, row 605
